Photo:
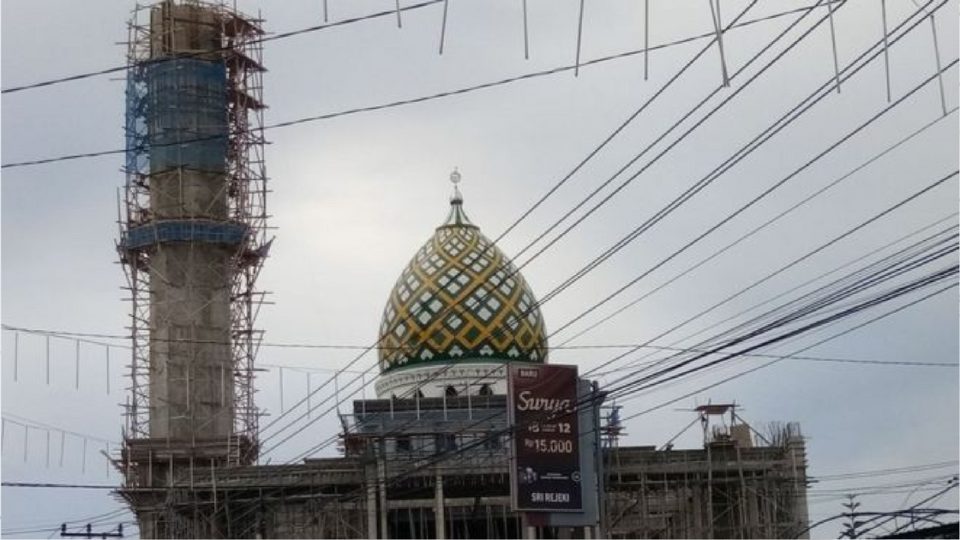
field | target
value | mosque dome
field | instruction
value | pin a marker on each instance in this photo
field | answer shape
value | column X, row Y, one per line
column 459, row 301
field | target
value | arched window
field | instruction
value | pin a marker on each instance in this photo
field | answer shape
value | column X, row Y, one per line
column 485, row 390
column 450, row 392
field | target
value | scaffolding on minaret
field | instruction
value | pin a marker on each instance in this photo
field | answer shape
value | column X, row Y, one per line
column 193, row 237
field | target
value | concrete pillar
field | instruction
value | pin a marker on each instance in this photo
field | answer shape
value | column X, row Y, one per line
column 382, row 488
column 440, row 521
column 371, row 506
column 190, row 276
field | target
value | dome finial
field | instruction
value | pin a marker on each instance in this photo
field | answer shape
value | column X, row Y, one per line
column 457, row 198
column 456, row 217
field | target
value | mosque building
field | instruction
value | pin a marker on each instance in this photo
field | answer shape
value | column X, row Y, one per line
column 459, row 311
column 433, row 456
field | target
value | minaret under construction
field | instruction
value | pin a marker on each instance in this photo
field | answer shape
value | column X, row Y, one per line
column 192, row 241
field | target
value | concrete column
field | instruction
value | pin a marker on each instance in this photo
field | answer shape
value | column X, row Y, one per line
column 190, row 317
column 371, row 506
column 440, row 521
column 382, row 481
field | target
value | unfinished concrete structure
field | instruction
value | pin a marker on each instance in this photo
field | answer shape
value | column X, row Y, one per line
column 730, row 488
column 192, row 239
column 439, row 468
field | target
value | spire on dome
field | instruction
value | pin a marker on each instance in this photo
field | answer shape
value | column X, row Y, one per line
column 457, row 217
column 457, row 198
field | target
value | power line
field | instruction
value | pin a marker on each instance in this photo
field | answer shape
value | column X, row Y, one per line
column 818, row 358
column 632, row 235
column 757, row 229
column 398, row 103
column 797, row 287
column 808, row 347
column 874, row 269
column 58, row 486
column 644, row 383
column 663, row 152
column 878, row 488
column 769, row 314
column 885, row 471
column 274, row 37
column 51, row 527
column 94, row 519
column 666, row 374
column 23, row 421
column 318, row 389
column 593, row 346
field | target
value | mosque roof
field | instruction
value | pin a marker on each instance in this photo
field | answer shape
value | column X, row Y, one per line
column 460, row 299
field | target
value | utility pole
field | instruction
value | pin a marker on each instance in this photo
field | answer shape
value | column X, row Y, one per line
column 851, row 526
column 88, row 533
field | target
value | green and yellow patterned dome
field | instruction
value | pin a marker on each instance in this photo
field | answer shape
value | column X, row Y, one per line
column 460, row 300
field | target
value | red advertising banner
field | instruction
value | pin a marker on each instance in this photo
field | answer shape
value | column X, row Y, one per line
column 546, row 434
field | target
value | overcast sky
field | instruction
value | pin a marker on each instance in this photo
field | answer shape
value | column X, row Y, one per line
column 354, row 197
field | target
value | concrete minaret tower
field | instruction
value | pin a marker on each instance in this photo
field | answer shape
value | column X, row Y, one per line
column 192, row 238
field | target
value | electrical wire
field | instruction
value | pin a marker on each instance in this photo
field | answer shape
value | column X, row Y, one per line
column 772, row 362
column 53, row 485
column 274, row 37
column 398, row 103
column 664, row 374
column 770, row 276
column 885, row 471
column 592, row 346
column 808, row 254
column 796, row 287
column 762, row 226
column 632, row 235
column 23, row 421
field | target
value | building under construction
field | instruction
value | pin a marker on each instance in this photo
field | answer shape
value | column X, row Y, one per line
column 192, row 239
column 437, row 468
column 433, row 456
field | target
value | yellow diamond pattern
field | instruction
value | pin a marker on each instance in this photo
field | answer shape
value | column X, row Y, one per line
column 460, row 298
